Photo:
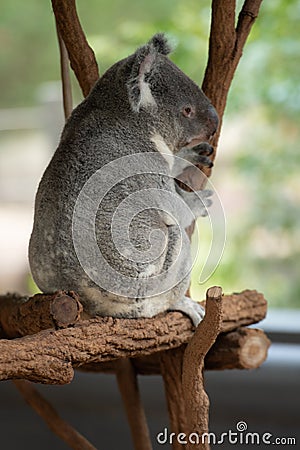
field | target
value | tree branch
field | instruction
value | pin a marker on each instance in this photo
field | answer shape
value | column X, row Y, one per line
column 195, row 398
column 65, row 76
column 243, row 348
column 20, row 316
column 50, row 355
column 56, row 424
column 81, row 56
column 225, row 49
column 169, row 365
column 129, row 389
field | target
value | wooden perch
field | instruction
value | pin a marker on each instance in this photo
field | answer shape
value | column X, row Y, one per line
column 226, row 45
column 244, row 348
column 20, row 316
column 65, row 76
column 50, row 355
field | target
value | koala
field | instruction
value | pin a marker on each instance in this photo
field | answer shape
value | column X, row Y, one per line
column 109, row 216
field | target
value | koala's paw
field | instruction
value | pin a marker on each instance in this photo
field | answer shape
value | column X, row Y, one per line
column 201, row 154
column 197, row 201
column 204, row 201
column 192, row 309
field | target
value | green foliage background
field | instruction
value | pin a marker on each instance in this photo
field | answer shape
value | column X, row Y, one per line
column 263, row 247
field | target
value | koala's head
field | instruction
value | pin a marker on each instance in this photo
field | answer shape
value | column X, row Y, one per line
column 178, row 108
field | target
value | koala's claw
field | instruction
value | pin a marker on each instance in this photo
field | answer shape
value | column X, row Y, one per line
column 197, row 201
column 204, row 149
column 205, row 161
column 192, row 309
column 201, row 154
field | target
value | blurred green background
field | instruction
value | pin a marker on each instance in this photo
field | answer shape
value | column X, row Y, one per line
column 257, row 169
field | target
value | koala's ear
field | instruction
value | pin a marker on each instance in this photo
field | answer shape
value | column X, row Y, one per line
column 145, row 64
column 161, row 44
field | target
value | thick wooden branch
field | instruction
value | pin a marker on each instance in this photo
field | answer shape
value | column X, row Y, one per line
column 225, row 49
column 81, row 56
column 182, row 372
column 226, row 45
column 170, row 367
column 56, row 424
column 244, row 348
column 50, row 355
column 195, row 398
column 20, row 316
column 244, row 308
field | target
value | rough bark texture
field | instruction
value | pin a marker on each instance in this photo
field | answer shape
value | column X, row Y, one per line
column 170, row 366
column 81, row 56
column 195, row 398
column 21, row 316
column 49, row 355
column 244, row 348
column 226, row 45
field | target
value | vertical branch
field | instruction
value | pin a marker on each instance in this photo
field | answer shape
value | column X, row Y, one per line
column 171, row 370
column 195, row 397
column 61, row 428
column 226, row 45
column 128, row 387
column 82, row 57
column 217, row 77
column 65, row 76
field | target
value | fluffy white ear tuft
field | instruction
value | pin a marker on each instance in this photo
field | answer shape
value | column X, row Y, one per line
column 146, row 97
column 139, row 91
column 145, row 64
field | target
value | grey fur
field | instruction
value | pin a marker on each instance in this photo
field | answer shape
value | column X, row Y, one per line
column 136, row 107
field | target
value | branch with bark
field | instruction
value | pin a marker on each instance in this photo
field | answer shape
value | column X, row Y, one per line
column 21, row 316
column 50, row 355
column 82, row 57
column 226, row 44
column 56, row 424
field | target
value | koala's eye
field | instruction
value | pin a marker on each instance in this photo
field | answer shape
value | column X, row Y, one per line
column 188, row 111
